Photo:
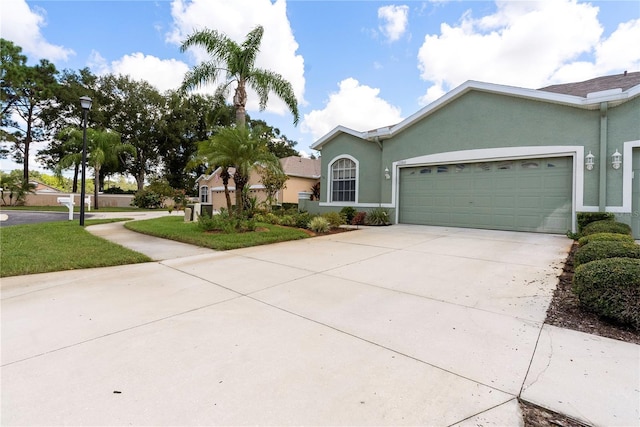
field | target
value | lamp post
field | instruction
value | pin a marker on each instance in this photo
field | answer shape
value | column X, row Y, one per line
column 85, row 103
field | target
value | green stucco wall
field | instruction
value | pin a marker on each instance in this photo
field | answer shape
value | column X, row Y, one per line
column 369, row 173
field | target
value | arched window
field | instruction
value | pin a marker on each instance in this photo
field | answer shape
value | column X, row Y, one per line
column 204, row 194
column 343, row 180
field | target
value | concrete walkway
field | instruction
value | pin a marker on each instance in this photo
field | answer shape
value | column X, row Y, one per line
column 401, row 325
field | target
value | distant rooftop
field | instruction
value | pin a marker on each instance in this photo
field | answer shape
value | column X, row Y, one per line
column 301, row 167
column 622, row 81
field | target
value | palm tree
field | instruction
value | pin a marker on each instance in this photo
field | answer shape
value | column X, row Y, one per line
column 237, row 147
column 103, row 148
column 238, row 63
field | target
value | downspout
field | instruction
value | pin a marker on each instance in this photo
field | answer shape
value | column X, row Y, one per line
column 602, row 195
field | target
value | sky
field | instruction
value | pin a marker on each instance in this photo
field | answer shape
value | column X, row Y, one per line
column 360, row 64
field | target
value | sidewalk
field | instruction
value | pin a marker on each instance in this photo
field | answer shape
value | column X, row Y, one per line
column 154, row 247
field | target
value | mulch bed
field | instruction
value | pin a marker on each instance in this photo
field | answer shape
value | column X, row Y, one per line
column 565, row 312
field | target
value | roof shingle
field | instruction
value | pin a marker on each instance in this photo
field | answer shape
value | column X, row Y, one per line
column 623, row 81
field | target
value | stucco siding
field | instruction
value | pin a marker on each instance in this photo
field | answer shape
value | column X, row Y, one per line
column 370, row 170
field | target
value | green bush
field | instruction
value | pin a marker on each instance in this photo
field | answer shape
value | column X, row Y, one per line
column 334, row 219
column 303, row 219
column 585, row 218
column 146, row 199
column 605, row 237
column 611, row 288
column 606, row 226
column 348, row 212
column 319, row 225
column 359, row 218
column 378, row 216
column 288, row 221
column 605, row 249
column 220, row 222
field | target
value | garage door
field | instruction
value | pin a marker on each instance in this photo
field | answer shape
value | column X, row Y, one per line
column 521, row 195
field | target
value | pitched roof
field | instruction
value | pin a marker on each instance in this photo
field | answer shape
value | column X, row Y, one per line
column 301, row 167
column 623, row 81
column 615, row 90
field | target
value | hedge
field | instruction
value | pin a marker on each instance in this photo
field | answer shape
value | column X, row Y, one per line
column 610, row 288
column 604, row 249
column 605, row 237
column 586, row 218
column 606, row 226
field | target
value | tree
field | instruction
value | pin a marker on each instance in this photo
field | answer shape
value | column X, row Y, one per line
column 278, row 144
column 188, row 120
column 237, row 147
column 238, row 63
column 15, row 188
column 103, row 149
column 134, row 110
column 274, row 179
column 27, row 91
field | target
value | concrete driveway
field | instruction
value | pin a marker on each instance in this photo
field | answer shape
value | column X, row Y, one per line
column 401, row 325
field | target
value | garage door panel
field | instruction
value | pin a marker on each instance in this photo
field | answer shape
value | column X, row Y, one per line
column 527, row 195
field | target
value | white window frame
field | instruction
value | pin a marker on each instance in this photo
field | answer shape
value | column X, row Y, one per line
column 204, row 194
column 329, row 191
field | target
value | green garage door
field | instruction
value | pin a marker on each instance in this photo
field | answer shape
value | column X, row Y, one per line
column 521, row 195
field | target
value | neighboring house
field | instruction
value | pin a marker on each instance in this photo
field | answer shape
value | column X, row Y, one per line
column 496, row 157
column 302, row 175
column 41, row 187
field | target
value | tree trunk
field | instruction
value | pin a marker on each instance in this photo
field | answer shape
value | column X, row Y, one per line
column 140, row 180
column 96, row 186
column 239, row 103
column 27, row 143
column 224, row 174
column 76, row 171
column 240, row 181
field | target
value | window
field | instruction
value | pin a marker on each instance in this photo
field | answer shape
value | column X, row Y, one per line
column 343, row 181
column 443, row 169
column 204, row 194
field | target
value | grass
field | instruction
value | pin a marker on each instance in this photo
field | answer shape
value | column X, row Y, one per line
column 60, row 245
column 60, row 208
column 174, row 228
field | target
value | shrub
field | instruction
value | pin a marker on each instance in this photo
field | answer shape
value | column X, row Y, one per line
column 605, row 237
column 585, row 218
column 146, row 199
column 378, row 216
column 303, row 219
column 606, row 226
column 611, row 288
column 604, row 249
column 359, row 218
column 220, row 222
column 319, row 225
column 348, row 212
column 288, row 221
column 334, row 219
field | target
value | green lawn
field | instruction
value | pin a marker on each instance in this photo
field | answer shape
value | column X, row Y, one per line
column 174, row 228
column 56, row 246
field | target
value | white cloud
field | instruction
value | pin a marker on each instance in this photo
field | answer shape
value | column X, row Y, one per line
column 236, row 18
column 394, row 21
column 527, row 44
column 355, row 106
column 21, row 25
column 164, row 74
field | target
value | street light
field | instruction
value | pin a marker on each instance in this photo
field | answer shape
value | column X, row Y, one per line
column 85, row 103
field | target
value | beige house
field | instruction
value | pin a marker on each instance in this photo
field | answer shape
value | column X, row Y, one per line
column 302, row 175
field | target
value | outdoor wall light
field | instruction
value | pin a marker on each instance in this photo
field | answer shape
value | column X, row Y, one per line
column 616, row 160
column 386, row 173
column 589, row 161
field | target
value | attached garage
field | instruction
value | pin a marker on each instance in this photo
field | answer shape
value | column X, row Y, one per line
column 520, row 195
